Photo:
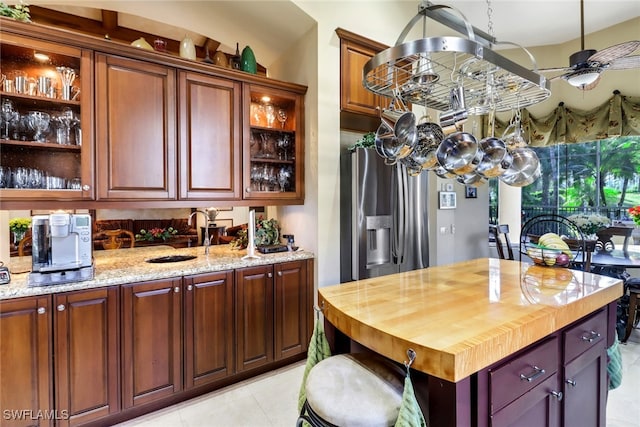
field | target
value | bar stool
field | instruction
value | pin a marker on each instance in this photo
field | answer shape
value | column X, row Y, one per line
column 633, row 285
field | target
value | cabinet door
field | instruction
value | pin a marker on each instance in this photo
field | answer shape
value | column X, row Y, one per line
column 208, row 323
column 291, row 309
column 254, row 317
column 539, row 407
column 585, row 384
column 210, row 138
column 44, row 153
column 25, row 361
column 87, row 352
column 151, row 341
column 273, row 150
column 354, row 97
column 136, row 129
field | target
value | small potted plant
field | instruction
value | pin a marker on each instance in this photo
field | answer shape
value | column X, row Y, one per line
column 19, row 226
column 163, row 234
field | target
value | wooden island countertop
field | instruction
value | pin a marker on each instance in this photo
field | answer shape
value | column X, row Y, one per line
column 462, row 317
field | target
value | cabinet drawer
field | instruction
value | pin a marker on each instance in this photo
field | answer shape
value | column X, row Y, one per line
column 520, row 374
column 585, row 335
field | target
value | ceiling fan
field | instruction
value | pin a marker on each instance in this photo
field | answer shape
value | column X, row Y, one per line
column 585, row 66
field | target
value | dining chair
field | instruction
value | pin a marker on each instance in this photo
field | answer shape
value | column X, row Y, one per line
column 24, row 246
column 632, row 286
column 115, row 239
column 569, row 231
column 500, row 233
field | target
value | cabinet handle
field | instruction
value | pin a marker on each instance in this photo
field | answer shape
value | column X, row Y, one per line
column 593, row 335
column 247, row 190
column 557, row 395
column 572, row 383
column 176, row 289
column 190, row 287
column 42, row 310
column 269, row 275
column 537, row 372
column 86, row 187
column 61, row 307
column 279, row 273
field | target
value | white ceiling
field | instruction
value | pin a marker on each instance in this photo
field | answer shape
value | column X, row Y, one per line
column 273, row 25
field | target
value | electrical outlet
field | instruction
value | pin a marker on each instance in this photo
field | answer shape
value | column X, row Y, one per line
column 443, row 230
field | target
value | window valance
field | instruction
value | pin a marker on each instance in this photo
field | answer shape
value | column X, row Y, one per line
column 619, row 116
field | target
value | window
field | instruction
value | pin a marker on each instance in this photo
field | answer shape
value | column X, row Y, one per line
column 600, row 176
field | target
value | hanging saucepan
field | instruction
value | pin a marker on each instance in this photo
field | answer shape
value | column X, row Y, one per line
column 459, row 153
column 524, row 169
column 413, row 167
column 383, row 134
column 443, row 173
column 495, row 159
column 430, row 136
column 472, row 179
column 404, row 132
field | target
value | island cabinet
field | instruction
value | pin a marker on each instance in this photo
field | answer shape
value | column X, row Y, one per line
column 87, row 351
column 209, row 137
column 135, row 129
column 151, row 341
column 208, row 328
column 25, row 361
column 272, row 313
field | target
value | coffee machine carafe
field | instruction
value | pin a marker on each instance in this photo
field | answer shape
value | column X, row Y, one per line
column 61, row 248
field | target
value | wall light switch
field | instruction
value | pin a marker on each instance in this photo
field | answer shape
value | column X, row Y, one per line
column 443, row 230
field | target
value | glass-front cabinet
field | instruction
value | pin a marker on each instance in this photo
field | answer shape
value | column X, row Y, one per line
column 274, row 144
column 45, row 120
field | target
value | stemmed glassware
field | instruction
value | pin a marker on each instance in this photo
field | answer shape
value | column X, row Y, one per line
column 282, row 117
column 284, row 174
column 38, row 122
column 270, row 114
column 65, row 121
column 8, row 115
column 283, row 147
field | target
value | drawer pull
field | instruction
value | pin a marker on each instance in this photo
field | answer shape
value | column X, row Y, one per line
column 557, row 395
column 61, row 307
column 593, row 335
column 537, row 372
column 572, row 383
column 190, row 287
column 176, row 289
column 42, row 310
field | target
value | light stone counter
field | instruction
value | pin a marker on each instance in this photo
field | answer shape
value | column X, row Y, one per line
column 121, row 266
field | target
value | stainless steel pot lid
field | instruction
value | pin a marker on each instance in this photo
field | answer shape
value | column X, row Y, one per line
column 524, row 169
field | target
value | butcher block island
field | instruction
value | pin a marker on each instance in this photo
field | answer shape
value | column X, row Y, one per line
column 141, row 336
column 498, row 342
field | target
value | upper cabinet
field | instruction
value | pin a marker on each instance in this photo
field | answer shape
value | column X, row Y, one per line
column 135, row 129
column 273, row 145
column 137, row 126
column 46, row 145
column 357, row 105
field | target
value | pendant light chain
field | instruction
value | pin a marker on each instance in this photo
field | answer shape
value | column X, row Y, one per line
column 490, row 18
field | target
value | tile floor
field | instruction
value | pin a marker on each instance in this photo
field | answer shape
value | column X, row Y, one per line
column 270, row 400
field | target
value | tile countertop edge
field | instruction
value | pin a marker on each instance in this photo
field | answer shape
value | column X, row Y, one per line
column 457, row 361
column 125, row 266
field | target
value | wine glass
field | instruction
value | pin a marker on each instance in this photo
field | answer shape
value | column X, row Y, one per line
column 8, row 115
column 283, row 146
column 38, row 122
column 284, row 174
column 270, row 114
column 282, row 117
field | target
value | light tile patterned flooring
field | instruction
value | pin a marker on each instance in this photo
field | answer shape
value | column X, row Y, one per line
column 270, row 400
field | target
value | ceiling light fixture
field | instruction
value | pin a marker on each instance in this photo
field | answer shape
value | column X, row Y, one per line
column 426, row 70
column 583, row 78
column 41, row 56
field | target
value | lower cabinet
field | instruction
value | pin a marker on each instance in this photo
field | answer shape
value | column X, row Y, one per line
column 26, row 362
column 271, row 313
column 94, row 356
column 561, row 381
column 208, row 328
column 151, row 341
column 86, row 349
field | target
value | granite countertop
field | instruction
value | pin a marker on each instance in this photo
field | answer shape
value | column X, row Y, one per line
column 460, row 318
column 121, row 266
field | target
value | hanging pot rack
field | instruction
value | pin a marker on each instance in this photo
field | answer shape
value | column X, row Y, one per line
column 425, row 71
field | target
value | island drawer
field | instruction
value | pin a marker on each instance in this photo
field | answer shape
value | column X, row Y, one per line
column 523, row 372
column 589, row 333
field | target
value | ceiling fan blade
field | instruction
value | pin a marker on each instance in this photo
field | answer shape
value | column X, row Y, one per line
column 625, row 63
column 614, row 52
column 554, row 70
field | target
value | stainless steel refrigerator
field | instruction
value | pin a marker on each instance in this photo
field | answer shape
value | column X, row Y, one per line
column 383, row 217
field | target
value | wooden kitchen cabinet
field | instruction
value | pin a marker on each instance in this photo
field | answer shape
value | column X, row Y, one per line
column 44, row 152
column 355, row 52
column 26, row 385
column 87, row 352
column 208, row 328
column 209, row 137
column 151, row 341
column 273, row 146
column 272, row 313
column 135, row 129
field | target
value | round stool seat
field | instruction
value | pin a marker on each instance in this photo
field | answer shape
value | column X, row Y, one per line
column 355, row 390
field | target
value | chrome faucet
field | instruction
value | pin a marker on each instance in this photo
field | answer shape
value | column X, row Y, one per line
column 207, row 241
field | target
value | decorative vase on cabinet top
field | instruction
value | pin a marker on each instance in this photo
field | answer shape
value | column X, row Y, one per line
column 142, row 44
column 248, row 61
column 187, row 48
column 219, row 58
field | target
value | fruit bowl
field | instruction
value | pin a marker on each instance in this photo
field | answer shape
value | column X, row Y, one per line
column 542, row 255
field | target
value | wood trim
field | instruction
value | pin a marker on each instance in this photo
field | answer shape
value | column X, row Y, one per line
column 345, row 35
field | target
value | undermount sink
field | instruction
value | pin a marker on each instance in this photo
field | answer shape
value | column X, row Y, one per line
column 171, row 258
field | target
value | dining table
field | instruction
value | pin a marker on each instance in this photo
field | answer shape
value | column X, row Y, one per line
column 616, row 258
